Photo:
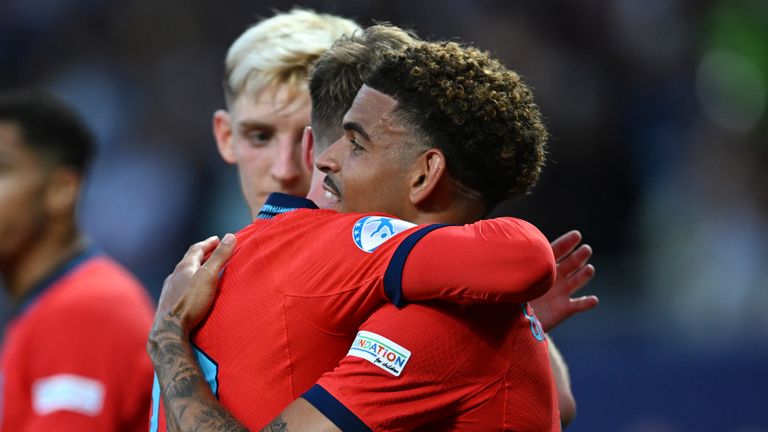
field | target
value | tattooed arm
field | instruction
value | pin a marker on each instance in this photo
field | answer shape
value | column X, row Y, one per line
column 189, row 403
column 185, row 300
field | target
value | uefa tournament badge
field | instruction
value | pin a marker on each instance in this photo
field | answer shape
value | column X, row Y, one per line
column 371, row 231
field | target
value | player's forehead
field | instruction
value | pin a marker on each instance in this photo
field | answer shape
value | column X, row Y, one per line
column 372, row 110
column 280, row 104
column 18, row 155
column 12, row 142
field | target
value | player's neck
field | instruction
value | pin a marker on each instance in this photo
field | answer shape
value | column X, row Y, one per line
column 451, row 216
column 52, row 249
column 448, row 206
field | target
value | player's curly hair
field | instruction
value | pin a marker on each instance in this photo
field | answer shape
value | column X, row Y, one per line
column 476, row 111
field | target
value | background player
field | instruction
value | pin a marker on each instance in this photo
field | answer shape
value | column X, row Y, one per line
column 73, row 356
column 480, row 209
column 268, row 105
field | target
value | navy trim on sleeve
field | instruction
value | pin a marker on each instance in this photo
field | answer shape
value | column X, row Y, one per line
column 52, row 278
column 279, row 203
column 393, row 277
column 334, row 410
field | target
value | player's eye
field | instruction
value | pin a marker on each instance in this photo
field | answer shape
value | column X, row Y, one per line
column 356, row 147
column 258, row 138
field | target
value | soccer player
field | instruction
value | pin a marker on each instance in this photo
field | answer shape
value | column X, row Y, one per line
column 437, row 195
column 268, row 105
column 74, row 351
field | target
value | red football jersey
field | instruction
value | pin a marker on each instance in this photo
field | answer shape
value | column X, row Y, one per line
column 74, row 355
column 295, row 291
column 442, row 367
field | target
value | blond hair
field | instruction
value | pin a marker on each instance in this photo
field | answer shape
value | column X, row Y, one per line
column 281, row 50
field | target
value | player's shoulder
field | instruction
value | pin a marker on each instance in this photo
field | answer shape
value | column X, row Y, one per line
column 439, row 315
column 98, row 288
column 430, row 349
column 368, row 230
column 302, row 219
column 425, row 326
column 312, row 215
column 448, row 330
column 101, row 277
column 103, row 266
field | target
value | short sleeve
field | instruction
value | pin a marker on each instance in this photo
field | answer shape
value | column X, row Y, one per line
column 406, row 369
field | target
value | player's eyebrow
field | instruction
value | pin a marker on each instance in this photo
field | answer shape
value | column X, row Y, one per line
column 255, row 124
column 353, row 126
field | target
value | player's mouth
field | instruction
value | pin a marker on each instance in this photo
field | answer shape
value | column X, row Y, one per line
column 331, row 190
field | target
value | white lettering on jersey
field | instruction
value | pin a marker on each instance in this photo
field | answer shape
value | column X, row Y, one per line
column 67, row 392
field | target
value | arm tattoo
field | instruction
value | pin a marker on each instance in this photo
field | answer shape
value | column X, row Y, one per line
column 189, row 403
column 276, row 425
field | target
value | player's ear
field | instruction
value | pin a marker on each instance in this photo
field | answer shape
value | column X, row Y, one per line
column 426, row 175
column 308, row 148
column 222, row 131
column 62, row 192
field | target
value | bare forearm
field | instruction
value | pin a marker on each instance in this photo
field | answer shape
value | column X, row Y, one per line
column 189, row 403
column 187, row 296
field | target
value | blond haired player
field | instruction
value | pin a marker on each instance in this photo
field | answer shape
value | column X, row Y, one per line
column 268, row 105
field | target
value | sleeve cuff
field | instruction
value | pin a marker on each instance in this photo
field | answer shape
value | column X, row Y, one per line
column 334, row 410
column 393, row 277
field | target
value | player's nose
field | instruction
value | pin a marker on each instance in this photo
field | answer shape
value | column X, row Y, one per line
column 328, row 160
column 287, row 165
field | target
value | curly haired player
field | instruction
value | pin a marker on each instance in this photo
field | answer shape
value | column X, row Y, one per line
column 381, row 152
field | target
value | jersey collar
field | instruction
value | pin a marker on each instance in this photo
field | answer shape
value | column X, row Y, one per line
column 279, row 203
column 29, row 298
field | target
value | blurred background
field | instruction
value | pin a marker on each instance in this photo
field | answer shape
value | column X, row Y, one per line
column 659, row 155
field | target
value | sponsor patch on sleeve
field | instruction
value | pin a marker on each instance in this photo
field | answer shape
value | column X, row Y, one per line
column 371, row 231
column 67, row 392
column 380, row 351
